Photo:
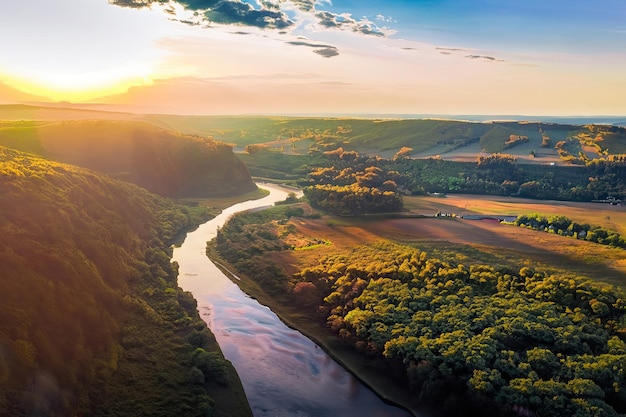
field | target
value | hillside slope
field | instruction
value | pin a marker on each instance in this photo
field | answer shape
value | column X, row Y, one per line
column 89, row 303
column 162, row 161
column 531, row 142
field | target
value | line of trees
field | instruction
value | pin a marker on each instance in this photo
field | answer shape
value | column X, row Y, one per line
column 564, row 226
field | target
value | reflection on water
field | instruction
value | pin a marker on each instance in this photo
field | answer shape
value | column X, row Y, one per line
column 282, row 371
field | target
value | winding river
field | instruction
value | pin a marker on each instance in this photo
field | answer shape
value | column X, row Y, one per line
column 284, row 374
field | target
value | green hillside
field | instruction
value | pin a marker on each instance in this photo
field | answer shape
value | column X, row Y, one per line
column 162, row 161
column 92, row 321
column 546, row 142
column 385, row 137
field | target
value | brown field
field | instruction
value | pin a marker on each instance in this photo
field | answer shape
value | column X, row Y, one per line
column 471, row 152
column 477, row 241
column 605, row 215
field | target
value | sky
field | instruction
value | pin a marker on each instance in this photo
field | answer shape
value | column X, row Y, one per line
column 313, row 57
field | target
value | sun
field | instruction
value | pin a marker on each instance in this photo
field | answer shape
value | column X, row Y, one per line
column 76, row 50
column 78, row 86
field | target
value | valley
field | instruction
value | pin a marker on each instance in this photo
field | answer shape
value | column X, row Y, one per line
column 391, row 210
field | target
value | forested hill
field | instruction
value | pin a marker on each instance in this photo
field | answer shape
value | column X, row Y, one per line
column 92, row 321
column 162, row 161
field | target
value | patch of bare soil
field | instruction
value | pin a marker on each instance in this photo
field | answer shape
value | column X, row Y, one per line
column 605, row 215
column 469, row 153
column 594, row 260
column 519, row 245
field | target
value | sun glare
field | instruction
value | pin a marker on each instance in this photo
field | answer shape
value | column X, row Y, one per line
column 79, row 87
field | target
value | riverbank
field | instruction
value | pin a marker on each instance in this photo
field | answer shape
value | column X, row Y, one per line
column 354, row 362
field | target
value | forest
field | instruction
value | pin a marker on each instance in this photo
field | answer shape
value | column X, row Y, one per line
column 492, row 174
column 160, row 160
column 93, row 321
column 350, row 187
column 473, row 338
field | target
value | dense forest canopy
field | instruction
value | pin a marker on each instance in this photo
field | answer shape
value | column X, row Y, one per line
column 493, row 174
column 163, row 161
column 485, row 340
column 351, row 187
column 89, row 301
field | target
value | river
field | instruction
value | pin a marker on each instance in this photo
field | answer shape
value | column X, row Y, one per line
column 284, row 373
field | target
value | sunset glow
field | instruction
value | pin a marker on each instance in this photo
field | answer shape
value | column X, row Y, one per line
column 77, row 87
column 318, row 57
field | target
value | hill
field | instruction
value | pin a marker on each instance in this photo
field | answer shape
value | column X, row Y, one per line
column 164, row 162
column 553, row 141
column 531, row 142
column 89, row 302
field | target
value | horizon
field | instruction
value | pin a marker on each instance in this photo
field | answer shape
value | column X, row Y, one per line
column 317, row 56
column 608, row 119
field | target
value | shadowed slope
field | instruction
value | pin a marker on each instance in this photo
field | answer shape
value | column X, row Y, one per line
column 89, row 303
column 164, row 162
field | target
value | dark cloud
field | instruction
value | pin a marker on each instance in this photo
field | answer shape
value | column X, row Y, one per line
column 332, row 20
column 305, row 5
column 483, row 57
column 231, row 12
column 489, row 58
column 328, row 19
column 135, row 4
column 312, row 45
column 367, row 28
column 449, row 49
column 196, row 4
column 238, row 13
column 266, row 14
column 327, row 51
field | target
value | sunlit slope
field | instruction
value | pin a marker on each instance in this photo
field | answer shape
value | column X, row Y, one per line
column 451, row 139
column 162, row 161
column 386, row 137
column 18, row 112
column 89, row 303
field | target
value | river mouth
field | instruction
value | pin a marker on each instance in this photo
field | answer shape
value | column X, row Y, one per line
column 283, row 372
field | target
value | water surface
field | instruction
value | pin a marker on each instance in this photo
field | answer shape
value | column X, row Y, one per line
column 284, row 374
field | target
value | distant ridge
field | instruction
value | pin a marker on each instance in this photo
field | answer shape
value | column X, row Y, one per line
column 71, row 111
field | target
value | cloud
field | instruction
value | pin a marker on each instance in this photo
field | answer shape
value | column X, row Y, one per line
column 484, row 57
column 386, row 19
column 239, row 13
column 327, row 51
column 345, row 21
column 268, row 14
column 448, row 51
column 469, row 55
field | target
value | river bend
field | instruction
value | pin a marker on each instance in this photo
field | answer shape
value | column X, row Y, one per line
column 284, row 374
